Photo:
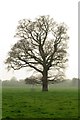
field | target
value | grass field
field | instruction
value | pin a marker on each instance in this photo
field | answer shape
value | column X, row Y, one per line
column 22, row 102
column 0, row 101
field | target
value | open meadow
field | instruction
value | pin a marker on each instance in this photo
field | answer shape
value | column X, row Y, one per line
column 27, row 102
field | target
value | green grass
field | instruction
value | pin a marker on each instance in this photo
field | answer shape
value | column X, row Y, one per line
column 24, row 103
column 0, row 101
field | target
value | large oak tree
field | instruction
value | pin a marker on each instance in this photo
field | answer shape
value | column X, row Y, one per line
column 41, row 45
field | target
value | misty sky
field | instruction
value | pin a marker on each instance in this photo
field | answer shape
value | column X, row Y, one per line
column 11, row 11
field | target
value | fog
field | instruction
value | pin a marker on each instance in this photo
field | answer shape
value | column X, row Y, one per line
column 21, row 83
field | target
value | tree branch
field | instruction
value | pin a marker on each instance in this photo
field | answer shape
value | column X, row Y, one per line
column 30, row 65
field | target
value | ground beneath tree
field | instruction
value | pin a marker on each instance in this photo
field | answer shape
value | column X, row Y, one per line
column 23, row 103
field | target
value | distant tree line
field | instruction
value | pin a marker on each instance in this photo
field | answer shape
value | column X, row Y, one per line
column 36, row 81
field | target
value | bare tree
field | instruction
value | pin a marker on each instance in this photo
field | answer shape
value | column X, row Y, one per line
column 42, row 45
column 32, row 80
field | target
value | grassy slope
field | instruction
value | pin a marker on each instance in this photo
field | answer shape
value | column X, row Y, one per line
column 57, row 103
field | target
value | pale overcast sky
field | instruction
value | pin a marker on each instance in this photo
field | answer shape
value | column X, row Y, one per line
column 11, row 11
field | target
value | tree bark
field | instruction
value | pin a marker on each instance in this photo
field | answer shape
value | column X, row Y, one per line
column 45, row 81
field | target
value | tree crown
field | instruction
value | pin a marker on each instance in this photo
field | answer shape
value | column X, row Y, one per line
column 42, row 45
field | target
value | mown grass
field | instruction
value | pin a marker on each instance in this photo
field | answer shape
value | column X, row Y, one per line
column 25, row 103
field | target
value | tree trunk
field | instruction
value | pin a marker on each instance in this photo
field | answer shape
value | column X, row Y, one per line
column 45, row 81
